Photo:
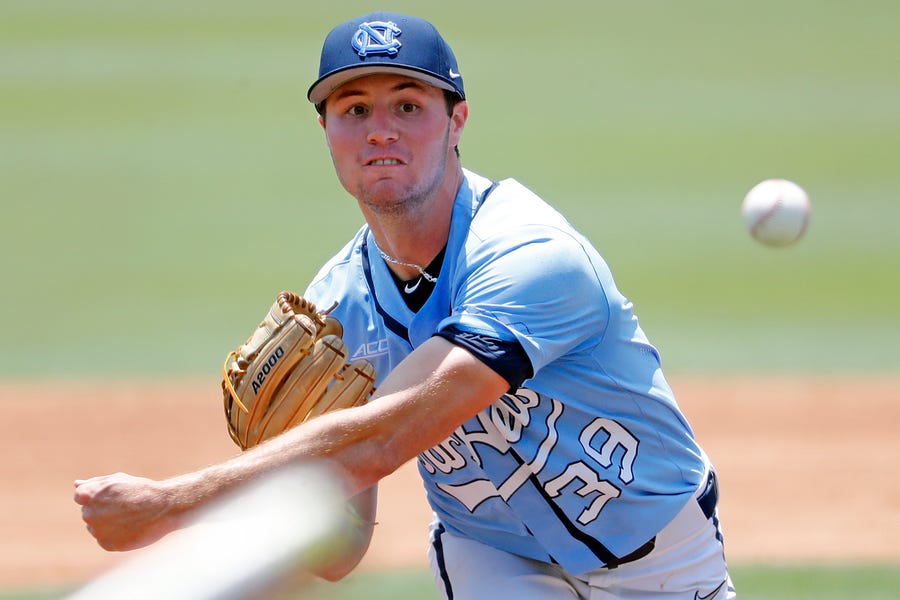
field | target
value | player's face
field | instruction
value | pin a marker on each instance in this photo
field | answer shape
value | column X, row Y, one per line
column 391, row 140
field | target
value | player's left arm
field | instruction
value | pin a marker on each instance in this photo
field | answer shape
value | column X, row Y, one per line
column 419, row 404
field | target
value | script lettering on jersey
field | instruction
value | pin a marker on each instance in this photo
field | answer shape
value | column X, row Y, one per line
column 266, row 368
column 603, row 442
column 501, row 425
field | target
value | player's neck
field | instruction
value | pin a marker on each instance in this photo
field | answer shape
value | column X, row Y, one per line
column 413, row 262
column 412, row 240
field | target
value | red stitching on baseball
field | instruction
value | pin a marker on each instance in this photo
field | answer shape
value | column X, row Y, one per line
column 766, row 215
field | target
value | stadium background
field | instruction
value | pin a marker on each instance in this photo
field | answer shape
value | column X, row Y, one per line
column 154, row 159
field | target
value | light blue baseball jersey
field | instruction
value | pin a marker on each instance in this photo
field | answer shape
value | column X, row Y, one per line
column 591, row 456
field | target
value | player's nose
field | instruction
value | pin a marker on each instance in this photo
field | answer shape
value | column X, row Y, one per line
column 382, row 129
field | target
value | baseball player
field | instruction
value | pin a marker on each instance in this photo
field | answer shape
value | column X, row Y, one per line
column 554, row 455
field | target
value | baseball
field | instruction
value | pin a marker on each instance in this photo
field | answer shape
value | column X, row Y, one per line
column 776, row 212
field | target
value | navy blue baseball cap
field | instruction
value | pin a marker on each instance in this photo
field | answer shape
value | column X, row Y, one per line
column 385, row 42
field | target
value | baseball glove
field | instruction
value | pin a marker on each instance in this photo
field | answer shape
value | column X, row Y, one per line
column 292, row 368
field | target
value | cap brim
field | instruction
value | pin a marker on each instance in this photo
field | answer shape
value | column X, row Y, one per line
column 324, row 87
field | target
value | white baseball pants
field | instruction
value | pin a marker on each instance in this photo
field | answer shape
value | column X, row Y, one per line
column 687, row 563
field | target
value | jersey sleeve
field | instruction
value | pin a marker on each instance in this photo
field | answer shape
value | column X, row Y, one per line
column 538, row 286
column 506, row 357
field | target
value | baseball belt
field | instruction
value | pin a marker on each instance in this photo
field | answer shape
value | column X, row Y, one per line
column 707, row 499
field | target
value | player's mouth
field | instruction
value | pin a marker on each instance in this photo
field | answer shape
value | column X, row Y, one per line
column 383, row 162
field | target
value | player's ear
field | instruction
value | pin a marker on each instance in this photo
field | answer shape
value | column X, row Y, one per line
column 325, row 130
column 458, row 119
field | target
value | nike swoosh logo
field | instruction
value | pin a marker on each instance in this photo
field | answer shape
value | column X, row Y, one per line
column 410, row 288
column 710, row 595
column 454, row 75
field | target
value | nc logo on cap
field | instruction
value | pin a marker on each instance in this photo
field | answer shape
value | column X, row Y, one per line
column 376, row 37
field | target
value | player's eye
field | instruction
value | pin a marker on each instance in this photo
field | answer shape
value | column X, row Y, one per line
column 408, row 107
column 357, row 110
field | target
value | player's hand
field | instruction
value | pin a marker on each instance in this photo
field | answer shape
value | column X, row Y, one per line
column 124, row 512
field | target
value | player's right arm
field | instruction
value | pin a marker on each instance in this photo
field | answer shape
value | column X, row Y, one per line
column 419, row 404
column 125, row 512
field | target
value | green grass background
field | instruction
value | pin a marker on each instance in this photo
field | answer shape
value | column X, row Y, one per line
column 162, row 175
column 754, row 582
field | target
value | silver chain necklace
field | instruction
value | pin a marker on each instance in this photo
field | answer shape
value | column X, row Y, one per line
column 421, row 270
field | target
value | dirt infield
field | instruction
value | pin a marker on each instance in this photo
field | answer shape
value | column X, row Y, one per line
column 809, row 468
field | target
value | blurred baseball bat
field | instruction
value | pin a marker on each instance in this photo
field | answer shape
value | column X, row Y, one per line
column 281, row 524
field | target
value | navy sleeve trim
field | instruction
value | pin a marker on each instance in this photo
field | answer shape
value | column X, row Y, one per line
column 507, row 359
